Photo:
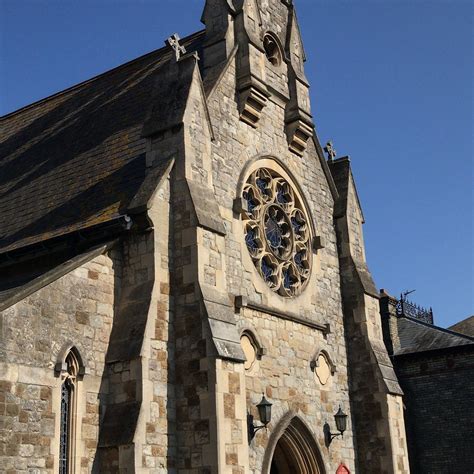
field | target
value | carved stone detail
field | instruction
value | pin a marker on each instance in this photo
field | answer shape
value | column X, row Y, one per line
column 298, row 133
column 277, row 232
column 252, row 101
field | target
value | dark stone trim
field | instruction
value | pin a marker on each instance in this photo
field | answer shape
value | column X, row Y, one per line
column 242, row 302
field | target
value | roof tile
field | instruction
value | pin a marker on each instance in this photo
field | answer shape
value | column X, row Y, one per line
column 76, row 159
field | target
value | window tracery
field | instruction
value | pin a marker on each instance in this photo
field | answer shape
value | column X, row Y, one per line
column 277, row 232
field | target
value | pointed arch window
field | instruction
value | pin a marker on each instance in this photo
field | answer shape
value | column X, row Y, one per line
column 68, row 413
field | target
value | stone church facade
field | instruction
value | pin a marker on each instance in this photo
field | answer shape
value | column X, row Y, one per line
column 173, row 245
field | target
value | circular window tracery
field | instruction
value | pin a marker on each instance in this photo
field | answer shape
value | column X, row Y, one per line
column 277, row 232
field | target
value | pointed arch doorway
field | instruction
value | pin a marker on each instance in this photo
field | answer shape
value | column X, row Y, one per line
column 295, row 452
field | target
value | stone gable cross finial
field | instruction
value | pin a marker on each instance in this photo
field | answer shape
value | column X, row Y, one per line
column 330, row 150
column 173, row 41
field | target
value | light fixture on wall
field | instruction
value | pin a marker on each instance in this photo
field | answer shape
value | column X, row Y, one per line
column 341, row 425
column 264, row 412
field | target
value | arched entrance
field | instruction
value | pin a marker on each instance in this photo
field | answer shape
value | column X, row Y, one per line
column 296, row 452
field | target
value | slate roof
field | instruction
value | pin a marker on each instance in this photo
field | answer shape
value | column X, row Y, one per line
column 466, row 326
column 77, row 159
column 417, row 336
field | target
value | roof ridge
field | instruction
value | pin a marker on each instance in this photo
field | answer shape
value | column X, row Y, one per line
column 98, row 76
column 463, row 320
column 439, row 328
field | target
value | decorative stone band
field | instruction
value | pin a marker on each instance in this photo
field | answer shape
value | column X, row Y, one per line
column 242, row 302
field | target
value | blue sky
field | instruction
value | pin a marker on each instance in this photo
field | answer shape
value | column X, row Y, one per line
column 392, row 86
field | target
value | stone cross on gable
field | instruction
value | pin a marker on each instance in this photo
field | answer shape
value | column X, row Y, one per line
column 330, row 150
column 173, row 41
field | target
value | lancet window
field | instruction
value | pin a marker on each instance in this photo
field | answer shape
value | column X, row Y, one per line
column 68, row 413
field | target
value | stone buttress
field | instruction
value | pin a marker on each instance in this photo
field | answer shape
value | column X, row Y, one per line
column 376, row 396
column 205, row 333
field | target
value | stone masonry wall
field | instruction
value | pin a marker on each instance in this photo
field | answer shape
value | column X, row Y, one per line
column 192, row 377
column 77, row 309
column 141, row 401
column 159, row 444
column 285, row 376
column 235, row 146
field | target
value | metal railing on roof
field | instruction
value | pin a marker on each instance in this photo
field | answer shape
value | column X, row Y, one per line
column 409, row 309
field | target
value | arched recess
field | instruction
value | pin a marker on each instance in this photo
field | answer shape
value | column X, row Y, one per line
column 61, row 365
column 259, row 342
column 322, row 352
column 253, row 348
column 268, row 37
column 292, row 449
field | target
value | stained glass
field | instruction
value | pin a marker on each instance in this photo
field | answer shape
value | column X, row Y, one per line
column 64, row 430
column 288, row 280
column 282, row 196
column 267, row 270
column 273, row 232
column 297, row 225
column 299, row 260
column 263, row 186
column 277, row 231
column 251, row 203
column 250, row 240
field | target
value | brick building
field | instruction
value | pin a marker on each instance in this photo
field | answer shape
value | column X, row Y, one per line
column 435, row 368
column 173, row 244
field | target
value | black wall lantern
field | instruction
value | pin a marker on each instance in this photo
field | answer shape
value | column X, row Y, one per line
column 341, row 425
column 265, row 414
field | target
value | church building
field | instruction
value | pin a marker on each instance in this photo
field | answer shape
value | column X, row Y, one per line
column 183, row 281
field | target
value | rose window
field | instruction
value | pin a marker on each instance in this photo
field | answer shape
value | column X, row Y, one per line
column 277, row 232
